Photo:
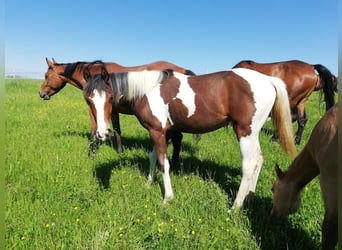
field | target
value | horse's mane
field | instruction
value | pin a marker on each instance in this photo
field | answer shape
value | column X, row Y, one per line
column 135, row 84
column 95, row 82
column 72, row 67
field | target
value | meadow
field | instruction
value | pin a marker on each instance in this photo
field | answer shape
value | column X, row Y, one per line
column 59, row 198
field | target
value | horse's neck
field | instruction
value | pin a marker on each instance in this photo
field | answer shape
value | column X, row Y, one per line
column 77, row 80
column 302, row 170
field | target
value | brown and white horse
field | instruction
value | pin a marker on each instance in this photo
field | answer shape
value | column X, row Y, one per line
column 319, row 157
column 166, row 101
column 301, row 80
column 59, row 74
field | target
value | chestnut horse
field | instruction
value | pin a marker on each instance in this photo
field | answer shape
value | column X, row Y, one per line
column 319, row 157
column 301, row 80
column 165, row 101
column 58, row 74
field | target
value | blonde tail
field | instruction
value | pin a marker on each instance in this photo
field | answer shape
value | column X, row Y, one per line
column 281, row 116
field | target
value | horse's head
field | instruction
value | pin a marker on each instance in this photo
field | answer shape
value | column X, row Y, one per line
column 54, row 80
column 286, row 197
column 98, row 95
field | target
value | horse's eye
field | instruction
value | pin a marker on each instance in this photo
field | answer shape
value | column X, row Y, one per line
column 111, row 98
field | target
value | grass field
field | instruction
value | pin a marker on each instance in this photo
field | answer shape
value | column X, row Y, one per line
column 59, row 198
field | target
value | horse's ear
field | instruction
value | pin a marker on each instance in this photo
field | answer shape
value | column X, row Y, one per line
column 54, row 61
column 49, row 63
column 278, row 171
column 104, row 74
column 86, row 74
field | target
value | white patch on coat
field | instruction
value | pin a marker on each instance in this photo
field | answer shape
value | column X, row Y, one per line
column 142, row 82
column 186, row 93
column 161, row 110
column 264, row 94
column 167, row 181
column 158, row 108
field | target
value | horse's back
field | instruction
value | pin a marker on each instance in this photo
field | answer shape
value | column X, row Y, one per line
column 278, row 69
column 158, row 65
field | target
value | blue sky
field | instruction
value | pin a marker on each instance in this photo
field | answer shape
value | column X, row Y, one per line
column 204, row 36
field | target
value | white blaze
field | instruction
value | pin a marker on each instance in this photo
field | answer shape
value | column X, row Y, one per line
column 99, row 103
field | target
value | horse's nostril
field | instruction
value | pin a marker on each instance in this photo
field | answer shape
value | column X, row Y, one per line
column 44, row 95
column 98, row 135
column 104, row 136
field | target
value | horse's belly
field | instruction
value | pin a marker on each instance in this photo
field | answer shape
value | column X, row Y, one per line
column 195, row 125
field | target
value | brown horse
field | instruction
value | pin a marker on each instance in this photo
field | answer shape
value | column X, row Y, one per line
column 58, row 74
column 301, row 80
column 165, row 101
column 319, row 157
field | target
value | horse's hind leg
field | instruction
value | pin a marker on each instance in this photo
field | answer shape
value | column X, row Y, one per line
column 176, row 139
column 117, row 130
column 260, row 161
column 251, row 165
column 302, row 120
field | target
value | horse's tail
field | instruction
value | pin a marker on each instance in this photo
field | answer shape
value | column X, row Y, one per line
column 329, row 83
column 281, row 116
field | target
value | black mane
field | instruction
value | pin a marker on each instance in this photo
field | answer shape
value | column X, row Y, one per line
column 95, row 81
column 119, row 83
column 72, row 67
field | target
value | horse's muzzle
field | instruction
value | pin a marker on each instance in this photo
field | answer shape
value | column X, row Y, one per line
column 44, row 95
column 276, row 217
column 104, row 136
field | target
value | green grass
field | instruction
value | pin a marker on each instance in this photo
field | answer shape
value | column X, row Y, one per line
column 59, row 198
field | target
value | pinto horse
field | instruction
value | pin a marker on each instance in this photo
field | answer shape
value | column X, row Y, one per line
column 301, row 80
column 319, row 157
column 58, row 74
column 165, row 101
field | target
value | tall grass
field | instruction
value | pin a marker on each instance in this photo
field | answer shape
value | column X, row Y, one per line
column 59, row 198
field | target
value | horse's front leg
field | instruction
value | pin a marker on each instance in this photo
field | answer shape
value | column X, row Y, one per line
column 329, row 230
column 117, row 130
column 93, row 125
column 153, row 164
column 160, row 147
column 92, row 138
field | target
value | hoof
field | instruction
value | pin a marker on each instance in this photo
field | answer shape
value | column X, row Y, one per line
column 119, row 150
column 297, row 141
column 167, row 199
column 149, row 183
column 274, row 139
column 91, row 153
column 234, row 208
